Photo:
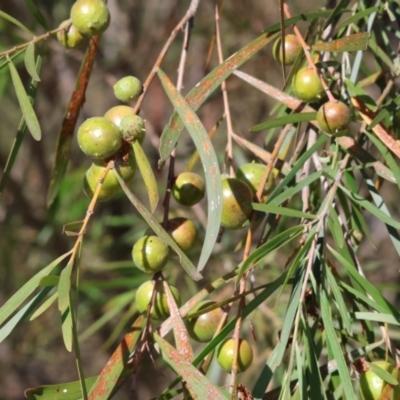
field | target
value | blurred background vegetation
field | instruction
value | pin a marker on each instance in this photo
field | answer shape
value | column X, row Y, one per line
column 31, row 235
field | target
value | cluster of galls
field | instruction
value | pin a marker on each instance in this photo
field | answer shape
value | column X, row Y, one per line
column 333, row 116
column 87, row 18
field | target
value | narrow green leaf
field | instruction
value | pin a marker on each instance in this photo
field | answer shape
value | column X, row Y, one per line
column 26, row 290
column 356, row 17
column 205, row 88
column 273, row 244
column 46, row 304
column 335, row 346
column 335, row 227
column 66, row 328
column 356, row 198
column 354, row 42
column 378, row 317
column 37, row 14
column 23, row 313
column 61, row 391
column 14, row 21
column 30, row 63
column 286, row 120
column 284, row 211
column 199, row 386
column 24, row 102
column 147, row 175
column 118, row 367
column 64, row 287
column 384, row 375
column 159, row 230
column 210, row 164
column 50, row 280
column 32, row 91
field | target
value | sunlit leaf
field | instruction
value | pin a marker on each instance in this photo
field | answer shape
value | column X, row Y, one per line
column 354, row 42
column 46, row 304
column 210, row 165
column 30, row 63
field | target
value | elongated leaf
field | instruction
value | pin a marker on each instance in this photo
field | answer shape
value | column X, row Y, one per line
column 32, row 91
column 66, row 328
column 30, row 63
column 384, row 375
column 355, row 42
column 64, row 287
column 273, row 244
column 199, row 386
column 25, row 291
column 356, row 17
column 378, row 317
column 14, row 21
column 37, row 14
column 204, row 89
column 25, row 104
column 118, row 367
column 147, row 175
column 65, row 135
column 46, row 304
column 285, row 211
column 159, row 230
column 210, row 165
column 335, row 346
column 22, row 314
column 287, row 119
column 61, row 391
column 50, row 280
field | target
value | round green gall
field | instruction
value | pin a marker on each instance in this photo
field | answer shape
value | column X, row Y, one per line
column 99, row 138
column 225, row 354
column 150, row 254
column 126, row 168
column 203, row 327
column 90, row 17
column 184, row 232
column 333, row 116
column 292, row 49
column 69, row 37
column 118, row 113
column 132, row 128
column 161, row 309
column 188, row 189
column 307, row 85
column 252, row 174
column 371, row 386
column 235, row 193
column 128, row 88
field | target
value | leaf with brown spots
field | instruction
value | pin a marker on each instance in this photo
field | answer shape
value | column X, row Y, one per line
column 210, row 165
column 199, row 386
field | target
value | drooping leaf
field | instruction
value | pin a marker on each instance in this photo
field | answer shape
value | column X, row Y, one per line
column 25, row 103
column 64, row 140
column 147, row 175
column 199, row 386
column 117, row 368
column 64, row 287
column 46, row 304
column 66, row 328
column 61, row 391
column 210, row 165
column 159, row 230
column 26, row 290
column 30, row 63
column 205, row 88
column 14, row 21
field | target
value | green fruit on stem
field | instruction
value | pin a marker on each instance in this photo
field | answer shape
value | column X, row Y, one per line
column 252, row 174
column 161, row 309
column 69, row 37
column 235, row 193
column 91, row 17
column 203, row 327
column 126, row 169
column 292, row 49
column 132, row 127
column 371, row 385
column 307, row 85
column 183, row 231
column 188, row 189
column 333, row 116
column 150, row 254
column 118, row 113
column 225, row 354
column 128, row 88
column 99, row 138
